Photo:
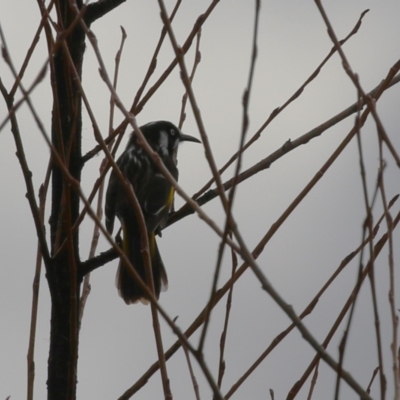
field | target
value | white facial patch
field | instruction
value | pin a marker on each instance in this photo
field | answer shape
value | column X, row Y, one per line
column 164, row 143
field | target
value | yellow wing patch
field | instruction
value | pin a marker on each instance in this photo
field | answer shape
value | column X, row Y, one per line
column 170, row 199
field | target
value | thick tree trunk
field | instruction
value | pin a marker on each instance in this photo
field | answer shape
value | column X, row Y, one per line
column 62, row 273
column 62, row 363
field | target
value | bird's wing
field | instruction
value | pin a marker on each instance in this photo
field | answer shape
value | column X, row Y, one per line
column 157, row 201
column 115, row 198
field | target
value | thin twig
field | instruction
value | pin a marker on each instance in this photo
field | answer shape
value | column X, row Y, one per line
column 196, row 62
column 272, row 394
column 366, row 229
column 222, row 364
column 192, row 376
column 313, row 382
column 35, row 293
column 245, row 102
column 376, row 370
column 391, row 294
column 368, row 225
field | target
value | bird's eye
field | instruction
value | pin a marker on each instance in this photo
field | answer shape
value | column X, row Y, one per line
column 172, row 132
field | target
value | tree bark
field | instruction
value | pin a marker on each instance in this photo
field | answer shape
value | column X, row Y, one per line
column 62, row 270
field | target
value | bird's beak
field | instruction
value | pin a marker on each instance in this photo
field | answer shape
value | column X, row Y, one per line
column 188, row 138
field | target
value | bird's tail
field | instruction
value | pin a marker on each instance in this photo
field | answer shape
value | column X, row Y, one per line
column 128, row 288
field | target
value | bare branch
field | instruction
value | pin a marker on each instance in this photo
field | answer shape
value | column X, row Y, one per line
column 96, row 10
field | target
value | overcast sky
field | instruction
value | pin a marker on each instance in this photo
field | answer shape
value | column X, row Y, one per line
column 117, row 342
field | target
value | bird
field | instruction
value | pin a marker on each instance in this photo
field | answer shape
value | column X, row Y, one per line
column 155, row 196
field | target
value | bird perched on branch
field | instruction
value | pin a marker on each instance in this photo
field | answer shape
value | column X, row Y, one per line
column 155, row 196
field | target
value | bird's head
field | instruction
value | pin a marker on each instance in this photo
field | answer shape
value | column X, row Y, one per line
column 164, row 138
